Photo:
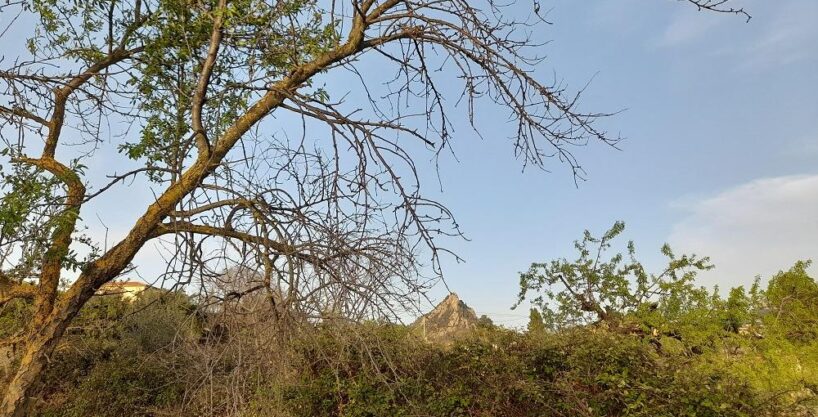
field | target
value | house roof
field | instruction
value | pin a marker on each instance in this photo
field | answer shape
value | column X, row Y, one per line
column 120, row 284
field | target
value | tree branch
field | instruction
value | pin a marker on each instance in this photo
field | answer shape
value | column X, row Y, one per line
column 11, row 291
column 17, row 111
column 187, row 227
column 61, row 237
column 716, row 6
column 202, row 143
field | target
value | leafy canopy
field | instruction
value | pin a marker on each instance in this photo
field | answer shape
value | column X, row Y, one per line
column 595, row 287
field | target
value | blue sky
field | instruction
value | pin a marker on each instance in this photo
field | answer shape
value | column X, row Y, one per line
column 720, row 156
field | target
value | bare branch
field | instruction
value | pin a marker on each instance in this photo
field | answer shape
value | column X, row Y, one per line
column 17, row 111
column 204, row 79
column 720, row 6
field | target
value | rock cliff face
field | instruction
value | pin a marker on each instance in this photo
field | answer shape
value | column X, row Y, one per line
column 449, row 320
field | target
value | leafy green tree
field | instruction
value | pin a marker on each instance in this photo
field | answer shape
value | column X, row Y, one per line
column 536, row 325
column 485, row 322
column 736, row 310
column 757, row 297
column 598, row 288
column 792, row 300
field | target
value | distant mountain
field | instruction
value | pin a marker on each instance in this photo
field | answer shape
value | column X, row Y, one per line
column 449, row 320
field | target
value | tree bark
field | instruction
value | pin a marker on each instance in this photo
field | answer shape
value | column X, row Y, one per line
column 38, row 348
column 39, row 345
column 52, row 319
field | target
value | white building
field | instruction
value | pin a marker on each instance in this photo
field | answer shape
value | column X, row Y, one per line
column 128, row 290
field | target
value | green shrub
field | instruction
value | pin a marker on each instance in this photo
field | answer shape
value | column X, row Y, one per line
column 501, row 373
column 123, row 386
column 118, row 361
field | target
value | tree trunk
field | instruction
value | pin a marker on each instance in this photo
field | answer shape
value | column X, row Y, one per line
column 38, row 347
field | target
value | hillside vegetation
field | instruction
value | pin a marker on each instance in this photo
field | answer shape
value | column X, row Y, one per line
column 685, row 351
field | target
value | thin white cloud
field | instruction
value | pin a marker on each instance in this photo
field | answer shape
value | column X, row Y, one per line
column 779, row 35
column 804, row 148
column 756, row 228
column 789, row 36
column 687, row 27
column 618, row 14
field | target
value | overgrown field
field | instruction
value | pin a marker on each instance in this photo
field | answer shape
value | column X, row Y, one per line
column 751, row 354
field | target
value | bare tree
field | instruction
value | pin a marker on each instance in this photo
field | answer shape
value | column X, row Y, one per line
column 186, row 91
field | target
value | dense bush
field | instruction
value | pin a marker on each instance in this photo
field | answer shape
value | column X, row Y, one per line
column 119, row 360
column 122, row 386
column 750, row 354
column 501, row 373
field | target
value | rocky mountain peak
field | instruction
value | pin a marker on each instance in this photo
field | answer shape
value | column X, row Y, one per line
column 449, row 320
